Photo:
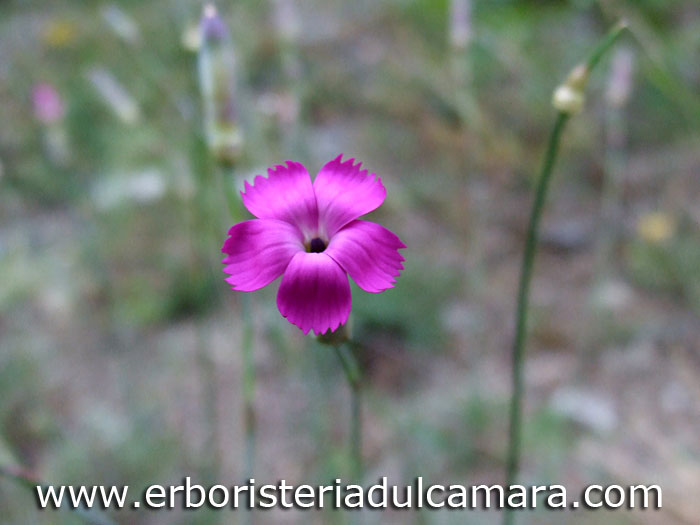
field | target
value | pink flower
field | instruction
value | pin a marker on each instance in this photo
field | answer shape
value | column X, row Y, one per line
column 309, row 233
column 48, row 106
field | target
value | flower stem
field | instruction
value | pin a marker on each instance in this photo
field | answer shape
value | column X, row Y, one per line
column 248, row 389
column 515, row 420
column 514, row 443
column 227, row 176
column 247, row 382
column 208, row 378
column 605, row 44
column 353, row 376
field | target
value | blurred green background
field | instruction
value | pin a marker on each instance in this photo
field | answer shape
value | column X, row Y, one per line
column 120, row 341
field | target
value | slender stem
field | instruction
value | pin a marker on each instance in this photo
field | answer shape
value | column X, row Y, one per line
column 515, row 430
column 605, row 44
column 514, row 443
column 248, row 388
column 203, row 234
column 353, row 375
column 226, row 179
column 208, row 378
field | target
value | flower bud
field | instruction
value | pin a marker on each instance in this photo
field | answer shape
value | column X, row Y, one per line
column 49, row 110
column 569, row 97
column 48, row 105
column 568, row 100
column 217, row 70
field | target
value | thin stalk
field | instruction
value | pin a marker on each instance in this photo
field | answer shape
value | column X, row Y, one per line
column 526, row 269
column 353, row 376
column 514, row 443
column 208, row 377
column 605, row 44
column 247, row 346
column 249, row 419
column 227, row 181
column 203, row 234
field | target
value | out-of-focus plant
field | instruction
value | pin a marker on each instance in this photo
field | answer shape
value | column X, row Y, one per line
column 225, row 141
column 217, row 80
column 568, row 99
column 616, row 97
column 664, row 255
column 288, row 104
column 461, row 39
column 121, row 24
column 49, row 110
column 114, row 95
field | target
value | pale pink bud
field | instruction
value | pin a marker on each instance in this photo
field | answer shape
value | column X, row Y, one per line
column 48, row 105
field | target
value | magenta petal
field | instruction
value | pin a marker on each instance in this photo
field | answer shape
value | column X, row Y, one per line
column 286, row 194
column 369, row 253
column 314, row 293
column 258, row 251
column 344, row 192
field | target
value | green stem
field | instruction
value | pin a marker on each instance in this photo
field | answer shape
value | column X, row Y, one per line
column 514, row 443
column 227, row 181
column 248, row 388
column 353, row 376
column 208, row 378
column 515, row 420
column 605, row 44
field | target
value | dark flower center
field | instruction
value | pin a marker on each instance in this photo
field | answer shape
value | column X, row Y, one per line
column 317, row 245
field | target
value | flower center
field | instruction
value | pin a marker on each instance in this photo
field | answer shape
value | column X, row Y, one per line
column 317, row 245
